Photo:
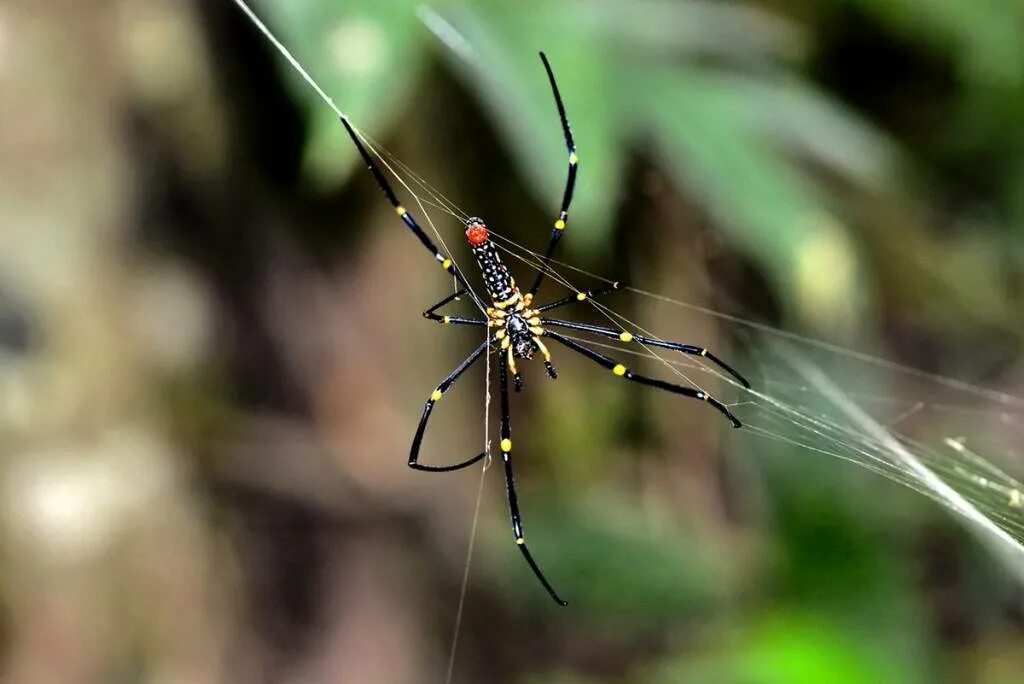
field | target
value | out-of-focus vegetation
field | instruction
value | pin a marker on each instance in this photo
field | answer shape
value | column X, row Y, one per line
column 212, row 356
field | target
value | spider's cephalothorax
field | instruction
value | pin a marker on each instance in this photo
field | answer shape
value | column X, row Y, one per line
column 518, row 327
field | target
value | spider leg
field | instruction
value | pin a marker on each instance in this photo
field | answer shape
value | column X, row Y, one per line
column 570, row 182
column 430, row 314
column 407, row 217
column 581, row 296
column 435, row 397
column 513, row 502
column 624, row 336
column 622, row 371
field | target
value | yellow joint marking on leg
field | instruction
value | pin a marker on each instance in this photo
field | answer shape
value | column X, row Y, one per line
column 537, row 330
column 400, row 210
column 703, row 352
column 511, row 359
column 580, row 296
column 559, row 224
column 625, row 336
column 520, row 541
column 506, row 445
column 436, row 396
column 446, row 264
column 573, row 158
column 528, row 298
column 619, row 369
column 534, row 320
column 447, row 320
column 504, row 340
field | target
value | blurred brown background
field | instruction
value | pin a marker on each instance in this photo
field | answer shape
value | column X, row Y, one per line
column 212, row 357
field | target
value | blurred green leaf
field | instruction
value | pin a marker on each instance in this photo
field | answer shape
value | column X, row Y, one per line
column 735, row 140
column 794, row 648
column 614, row 567
column 735, row 135
column 367, row 55
column 983, row 35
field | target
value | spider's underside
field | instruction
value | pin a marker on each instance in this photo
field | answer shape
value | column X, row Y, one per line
column 516, row 327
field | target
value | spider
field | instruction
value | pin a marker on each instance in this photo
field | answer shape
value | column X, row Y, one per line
column 516, row 327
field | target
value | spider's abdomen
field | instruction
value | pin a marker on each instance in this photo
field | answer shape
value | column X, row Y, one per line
column 496, row 276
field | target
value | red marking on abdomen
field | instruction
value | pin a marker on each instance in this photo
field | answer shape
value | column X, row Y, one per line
column 477, row 234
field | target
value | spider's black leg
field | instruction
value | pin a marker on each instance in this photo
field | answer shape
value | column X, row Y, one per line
column 570, row 182
column 581, row 296
column 513, row 502
column 453, row 320
column 435, row 397
column 624, row 336
column 408, row 218
column 621, row 371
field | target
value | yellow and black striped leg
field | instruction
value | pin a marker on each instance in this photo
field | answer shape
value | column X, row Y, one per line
column 408, row 218
column 430, row 314
column 513, row 502
column 623, row 372
column 581, row 296
column 625, row 336
column 570, row 181
column 435, row 397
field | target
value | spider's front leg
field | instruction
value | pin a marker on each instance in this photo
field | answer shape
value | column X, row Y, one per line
column 430, row 314
column 407, row 218
column 570, row 180
column 581, row 296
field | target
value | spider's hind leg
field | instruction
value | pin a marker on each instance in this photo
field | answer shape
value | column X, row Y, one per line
column 510, row 483
column 625, row 336
column 621, row 371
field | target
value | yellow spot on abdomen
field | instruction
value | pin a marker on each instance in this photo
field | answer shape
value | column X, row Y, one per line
column 619, row 369
column 625, row 336
column 436, row 396
column 506, row 445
